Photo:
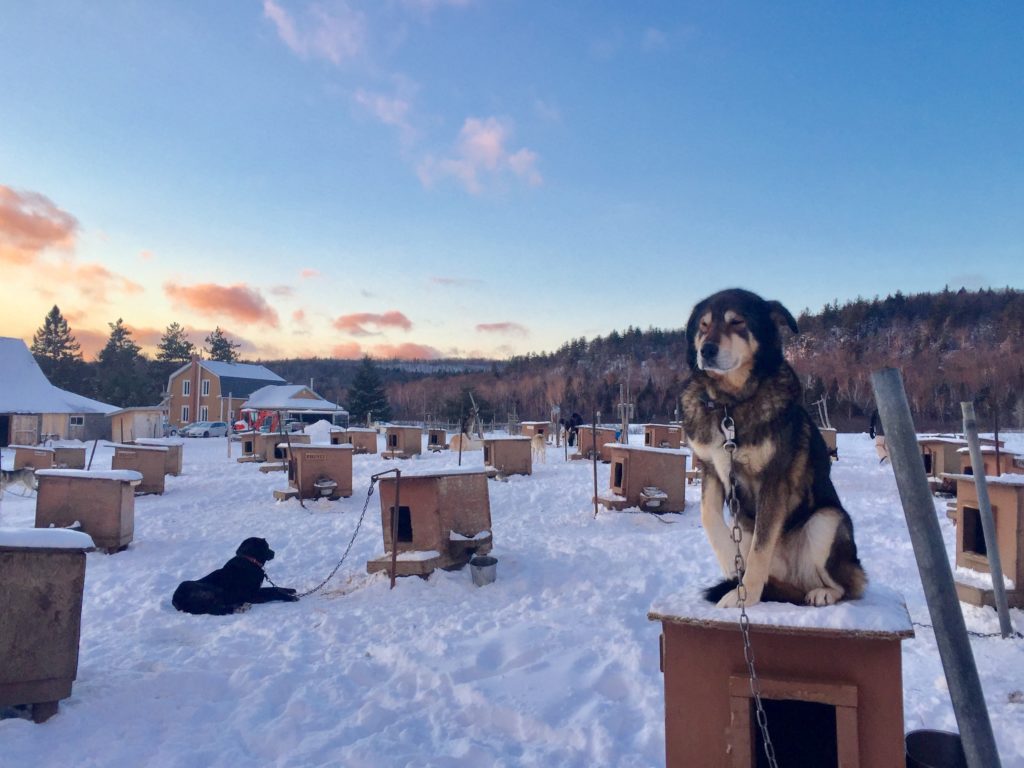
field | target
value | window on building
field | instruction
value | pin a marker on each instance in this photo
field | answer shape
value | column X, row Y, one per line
column 204, row 413
column 184, row 414
column 186, row 387
column 206, row 387
column 76, row 421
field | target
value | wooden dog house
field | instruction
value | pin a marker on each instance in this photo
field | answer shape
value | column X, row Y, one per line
column 832, row 696
column 403, row 442
column 531, row 428
column 1001, row 463
column 32, row 457
column 43, row 573
column 437, row 439
column 652, row 479
column 444, row 518
column 1006, row 494
column 664, row 436
column 828, row 434
column 588, row 443
column 319, row 472
column 102, row 502
column 362, row 439
column 175, row 449
column 148, row 460
column 265, row 446
column 509, row 455
column 940, row 457
column 69, row 457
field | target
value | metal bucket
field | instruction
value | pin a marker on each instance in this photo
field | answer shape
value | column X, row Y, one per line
column 484, row 569
column 935, row 749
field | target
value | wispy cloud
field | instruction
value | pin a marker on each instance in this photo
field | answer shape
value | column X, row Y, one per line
column 394, row 111
column 481, row 152
column 31, row 223
column 239, row 302
column 359, row 323
column 333, row 31
column 146, row 255
column 456, row 281
column 283, row 291
column 506, row 328
column 308, row 273
column 95, row 281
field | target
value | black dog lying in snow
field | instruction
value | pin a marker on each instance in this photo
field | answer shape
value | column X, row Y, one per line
column 229, row 588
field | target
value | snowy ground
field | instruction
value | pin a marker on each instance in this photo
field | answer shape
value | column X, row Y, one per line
column 554, row 664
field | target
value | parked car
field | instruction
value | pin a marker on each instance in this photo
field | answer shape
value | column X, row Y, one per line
column 206, row 429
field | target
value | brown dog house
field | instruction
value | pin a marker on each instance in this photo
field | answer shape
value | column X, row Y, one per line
column 362, row 439
column 444, row 518
column 173, row 457
column 43, row 573
column 531, row 428
column 319, row 472
column 828, row 434
column 941, row 458
column 663, row 436
column 996, row 464
column 652, row 479
column 588, row 443
column 437, row 439
column 32, row 457
column 1006, row 495
column 102, row 502
column 147, row 460
column 68, row 457
column 831, row 696
column 509, row 455
column 403, row 442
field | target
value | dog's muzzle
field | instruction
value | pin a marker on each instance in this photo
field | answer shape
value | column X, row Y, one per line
column 709, row 355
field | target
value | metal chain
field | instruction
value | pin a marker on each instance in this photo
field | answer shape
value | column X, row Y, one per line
column 729, row 432
column 330, row 576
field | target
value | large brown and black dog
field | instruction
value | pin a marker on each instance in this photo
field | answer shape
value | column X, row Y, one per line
column 797, row 540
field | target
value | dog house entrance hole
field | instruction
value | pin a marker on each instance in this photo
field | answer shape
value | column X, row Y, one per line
column 647, row 438
column 487, row 454
column 404, row 524
column 974, row 534
column 927, row 456
column 802, row 733
column 617, row 475
column 393, row 441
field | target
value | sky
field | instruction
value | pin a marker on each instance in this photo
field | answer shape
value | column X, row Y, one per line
column 462, row 178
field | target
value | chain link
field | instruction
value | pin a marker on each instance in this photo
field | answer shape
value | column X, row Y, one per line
column 322, row 584
column 729, row 433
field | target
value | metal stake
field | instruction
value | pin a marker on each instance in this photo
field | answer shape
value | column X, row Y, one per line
column 593, row 439
column 936, row 576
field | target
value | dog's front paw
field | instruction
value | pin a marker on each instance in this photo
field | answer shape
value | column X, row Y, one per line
column 732, row 600
column 823, row 596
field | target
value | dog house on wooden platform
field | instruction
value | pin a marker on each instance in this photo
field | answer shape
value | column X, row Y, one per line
column 940, row 457
column 531, row 428
column 588, row 444
column 175, row 449
column 32, row 457
column 652, row 479
column 362, row 439
column 402, row 442
column 996, row 463
column 319, row 472
column 147, row 460
column 831, row 682
column 43, row 573
column 444, row 518
column 69, row 456
column 437, row 439
column 664, row 436
column 509, row 455
column 101, row 501
column 1006, row 494
column 266, row 446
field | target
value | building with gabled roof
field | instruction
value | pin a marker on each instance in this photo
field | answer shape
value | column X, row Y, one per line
column 210, row 390
column 31, row 407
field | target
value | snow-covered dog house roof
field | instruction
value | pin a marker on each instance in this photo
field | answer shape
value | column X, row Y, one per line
column 443, row 519
column 996, row 461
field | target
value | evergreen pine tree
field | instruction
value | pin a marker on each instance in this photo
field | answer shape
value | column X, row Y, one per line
column 220, row 347
column 174, row 347
column 56, row 350
column 121, row 370
column 367, row 395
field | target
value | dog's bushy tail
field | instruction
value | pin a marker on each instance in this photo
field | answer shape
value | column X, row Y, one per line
column 774, row 592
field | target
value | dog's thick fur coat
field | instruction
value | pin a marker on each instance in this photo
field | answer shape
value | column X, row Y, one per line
column 227, row 589
column 797, row 540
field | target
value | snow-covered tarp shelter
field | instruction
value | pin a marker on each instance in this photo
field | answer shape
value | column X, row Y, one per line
column 295, row 402
column 31, row 407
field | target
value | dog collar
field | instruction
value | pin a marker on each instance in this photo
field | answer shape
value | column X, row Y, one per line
column 254, row 561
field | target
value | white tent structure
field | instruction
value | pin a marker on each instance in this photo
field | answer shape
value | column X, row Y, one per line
column 31, row 407
column 295, row 402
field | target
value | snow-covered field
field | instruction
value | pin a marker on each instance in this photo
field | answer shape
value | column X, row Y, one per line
column 554, row 664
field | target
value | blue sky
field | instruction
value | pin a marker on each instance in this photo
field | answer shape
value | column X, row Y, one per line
column 487, row 177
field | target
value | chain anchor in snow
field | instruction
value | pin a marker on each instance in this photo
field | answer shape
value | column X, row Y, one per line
column 728, row 428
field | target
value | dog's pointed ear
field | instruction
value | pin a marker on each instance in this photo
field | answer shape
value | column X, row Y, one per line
column 782, row 316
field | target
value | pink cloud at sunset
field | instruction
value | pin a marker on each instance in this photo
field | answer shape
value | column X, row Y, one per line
column 348, row 350
column 507, row 328
column 356, row 324
column 94, row 281
column 31, row 223
column 480, row 151
column 405, row 351
column 239, row 302
column 299, row 316
column 334, row 33
column 146, row 255
column 308, row 273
